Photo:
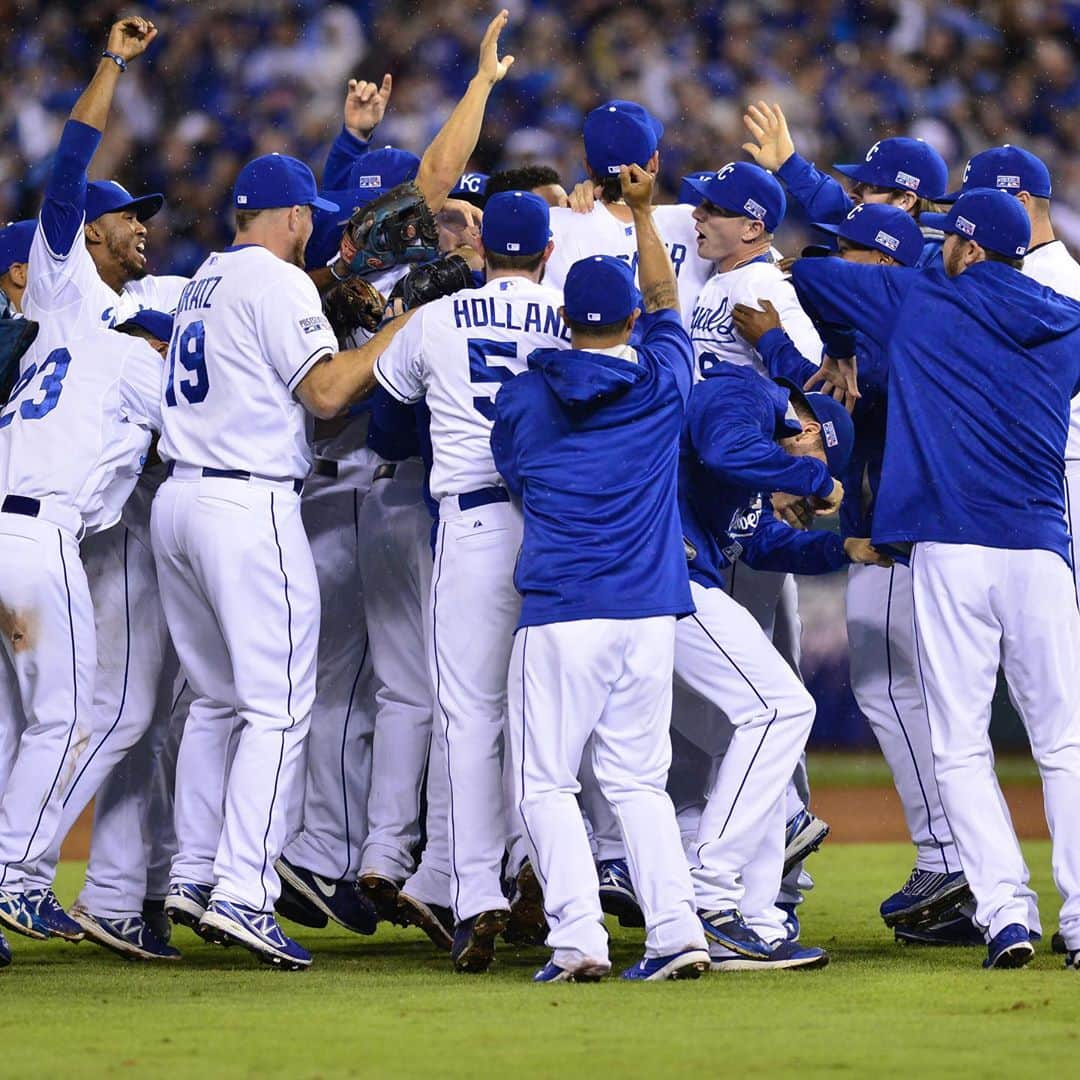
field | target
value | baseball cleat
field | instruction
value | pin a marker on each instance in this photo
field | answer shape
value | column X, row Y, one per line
column 339, row 900
column 1072, row 960
column 925, row 898
column 785, row 956
column 792, row 927
column 227, row 923
column 50, row 913
column 952, row 928
column 689, row 964
column 129, row 937
column 16, row 914
column 617, row 896
column 382, row 893
column 728, row 930
column 803, row 835
column 186, row 903
column 586, row 971
column 5, row 951
column 1009, row 948
column 528, row 924
column 435, row 920
column 474, row 940
column 153, row 913
column 1057, row 943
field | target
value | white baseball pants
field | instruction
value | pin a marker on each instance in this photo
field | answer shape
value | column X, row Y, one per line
column 47, row 630
column 975, row 608
column 242, row 602
column 606, row 684
column 474, row 609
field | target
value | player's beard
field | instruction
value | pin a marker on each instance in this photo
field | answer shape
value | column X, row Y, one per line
column 123, row 251
column 298, row 253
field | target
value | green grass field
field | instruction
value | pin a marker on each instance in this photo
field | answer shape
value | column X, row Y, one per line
column 390, row 1006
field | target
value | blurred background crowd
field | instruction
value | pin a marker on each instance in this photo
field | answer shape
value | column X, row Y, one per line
column 229, row 79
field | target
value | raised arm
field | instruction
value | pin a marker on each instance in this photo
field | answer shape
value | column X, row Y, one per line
column 656, row 276
column 365, row 105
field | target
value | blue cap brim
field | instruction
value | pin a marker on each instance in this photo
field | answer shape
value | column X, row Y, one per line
column 851, row 171
column 950, row 197
column 320, row 203
column 145, row 206
column 834, row 229
column 933, row 221
column 699, row 187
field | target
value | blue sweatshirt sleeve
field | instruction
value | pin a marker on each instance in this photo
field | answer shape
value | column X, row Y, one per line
column 502, row 441
column 665, row 337
column 823, row 198
column 779, row 547
column 782, row 360
column 64, row 202
column 732, row 436
column 344, row 152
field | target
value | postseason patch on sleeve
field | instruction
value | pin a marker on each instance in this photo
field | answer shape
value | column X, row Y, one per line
column 314, row 323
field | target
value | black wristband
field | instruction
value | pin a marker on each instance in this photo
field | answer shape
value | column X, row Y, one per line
column 118, row 60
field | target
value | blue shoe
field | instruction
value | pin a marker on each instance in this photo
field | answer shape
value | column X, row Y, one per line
column 16, row 914
column 5, row 951
column 153, row 913
column 617, row 896
column 728, row 930
column 435, row 920
column 129, row 937
column 589, row 971
column 528, row 924
column 952, row 929
column 925, row 897
column 339, row 900
column 803, row 835
column 226, row 923
column 186, row 903
column 1072, row 960
column 50, row 914
column 791, row 921
column 785, row 956
column 1009, row 948
column 474, row 940
column 689, row 964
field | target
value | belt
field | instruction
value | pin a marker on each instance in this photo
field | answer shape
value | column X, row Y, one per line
column 63, row 516
column 356, row 473
column 191, row 471
column 470, row 500
column 385, row 471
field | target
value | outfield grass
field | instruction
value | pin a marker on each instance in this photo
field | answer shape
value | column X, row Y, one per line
column 390, row 1006
column 867, row 768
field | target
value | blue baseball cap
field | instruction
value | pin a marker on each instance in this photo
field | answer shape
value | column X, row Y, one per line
column 990, row 217
column 904, row 165
column 620, row 133
column 837, row 429
column 744, row 189
column 159, row 324
column 470, row 183
column 277, row 180
column 384, row 168
column 15, row 241
column 109, row 197
column 686, row 193
column 599, row 290
column 886, row 228
column 516, row 223
column 1007, row 168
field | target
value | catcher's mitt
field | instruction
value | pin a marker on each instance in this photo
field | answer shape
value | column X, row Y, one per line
column 353, row 304
column 16, row 336
column 395, row 228
column 432, row 280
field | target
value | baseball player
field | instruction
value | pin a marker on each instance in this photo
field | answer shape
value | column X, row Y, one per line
column 15, row 240
column 615, row 134
column 588, row 440
column 983, row 520
column 541, row 180
column 73, row 438
column 237, row 580
column 458, row 352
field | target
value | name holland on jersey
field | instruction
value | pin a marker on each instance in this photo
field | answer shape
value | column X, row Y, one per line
column 478, row 311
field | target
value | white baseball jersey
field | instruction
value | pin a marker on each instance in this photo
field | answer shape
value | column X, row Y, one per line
column 78, row 424
column 577, row 236
column 713, row 332
column 249, row 326
column 1052, row 265
column 458, row 351
column 66, row 296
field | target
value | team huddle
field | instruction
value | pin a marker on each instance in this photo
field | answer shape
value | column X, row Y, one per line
column 429, row 556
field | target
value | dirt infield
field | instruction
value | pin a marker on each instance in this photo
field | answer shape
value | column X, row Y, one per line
column 856, row 814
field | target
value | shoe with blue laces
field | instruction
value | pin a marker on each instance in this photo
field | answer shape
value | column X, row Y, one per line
column 186, row 903
column 50, row 913
column 340, row 900
column 617, row 896
column 587, row 971
column 728, row 929
column 926, row 896
column 688, row 964
column 791, row 921
column 803, row 835
column 474, row 940
column 226, row 923
column 129, row 937
column 5, row 951
column 785, row 956
column 1009, row 948
column 16, row 914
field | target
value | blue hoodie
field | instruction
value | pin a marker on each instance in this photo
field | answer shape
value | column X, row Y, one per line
column 982, row 368
column 729, row 464
column 590, row 443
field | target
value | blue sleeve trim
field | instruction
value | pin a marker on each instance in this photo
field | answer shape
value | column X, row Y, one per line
column 64, row 204
column 318, row 354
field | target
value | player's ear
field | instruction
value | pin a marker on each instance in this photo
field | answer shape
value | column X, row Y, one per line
column 17, row 273
column 548, row 250
column 94, row 234
column 652, row 166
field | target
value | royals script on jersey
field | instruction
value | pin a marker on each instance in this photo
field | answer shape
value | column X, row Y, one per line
column 77, row 426
column 248, row 328
column 458, row 351
column 577, row 236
